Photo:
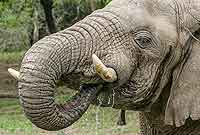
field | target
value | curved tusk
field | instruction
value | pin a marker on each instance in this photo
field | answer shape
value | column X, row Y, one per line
column 14, row 73
column 107, row 74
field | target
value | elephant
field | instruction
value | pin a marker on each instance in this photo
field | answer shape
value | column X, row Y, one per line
column 140, row 55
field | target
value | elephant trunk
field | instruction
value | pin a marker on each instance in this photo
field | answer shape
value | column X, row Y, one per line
column 65, row 52
column 42, row 65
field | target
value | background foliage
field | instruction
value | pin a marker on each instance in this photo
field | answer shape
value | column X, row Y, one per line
column 78, row 9
column 15, row 24
column 17, row 19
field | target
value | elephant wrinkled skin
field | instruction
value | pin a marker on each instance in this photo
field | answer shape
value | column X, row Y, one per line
column 151, row 45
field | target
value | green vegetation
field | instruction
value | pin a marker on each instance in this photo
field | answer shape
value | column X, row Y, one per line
column 22, row 22
column 103, row 121
column 68, row 12
column 11, row 117
column 11, row 57
column 15, row 13
column 96, row 121
column 15, row 25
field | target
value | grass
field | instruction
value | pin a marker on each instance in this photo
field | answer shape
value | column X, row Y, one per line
column 104, row 120
column 11, row 57
column 96, row 121
column 11, row 117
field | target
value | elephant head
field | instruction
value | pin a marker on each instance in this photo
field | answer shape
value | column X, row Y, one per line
column 125, row 55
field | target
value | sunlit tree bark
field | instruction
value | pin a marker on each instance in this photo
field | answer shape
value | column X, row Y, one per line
column 35, row 23
column 92, row 4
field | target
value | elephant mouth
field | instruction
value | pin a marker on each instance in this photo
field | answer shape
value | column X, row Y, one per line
column 104, row 97
column 86, row 95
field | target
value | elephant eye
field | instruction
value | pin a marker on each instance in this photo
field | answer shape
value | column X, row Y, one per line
column 143, row 42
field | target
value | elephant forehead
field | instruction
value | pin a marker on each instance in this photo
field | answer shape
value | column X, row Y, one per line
column 137, row 14
column 133, row 11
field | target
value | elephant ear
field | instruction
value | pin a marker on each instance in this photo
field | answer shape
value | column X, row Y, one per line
column 184, row 98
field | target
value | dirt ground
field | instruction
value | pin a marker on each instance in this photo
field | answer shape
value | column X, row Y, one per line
column 8, row 84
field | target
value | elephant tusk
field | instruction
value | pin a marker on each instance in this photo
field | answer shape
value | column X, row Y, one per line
column 14, row 73
column 107, row 74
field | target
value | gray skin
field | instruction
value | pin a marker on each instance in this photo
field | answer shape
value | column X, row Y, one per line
column 153, row 47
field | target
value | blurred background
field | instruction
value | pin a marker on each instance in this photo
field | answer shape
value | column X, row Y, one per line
column 24, row 22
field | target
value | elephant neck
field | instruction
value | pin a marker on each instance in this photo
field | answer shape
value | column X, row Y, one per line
column 152, row 123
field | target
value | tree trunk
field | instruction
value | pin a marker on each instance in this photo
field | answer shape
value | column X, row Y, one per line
column 8, row 96
column 92, row 5
column 36, row 26
column 48, row 5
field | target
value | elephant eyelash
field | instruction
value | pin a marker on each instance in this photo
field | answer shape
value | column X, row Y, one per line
column 143, row 42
